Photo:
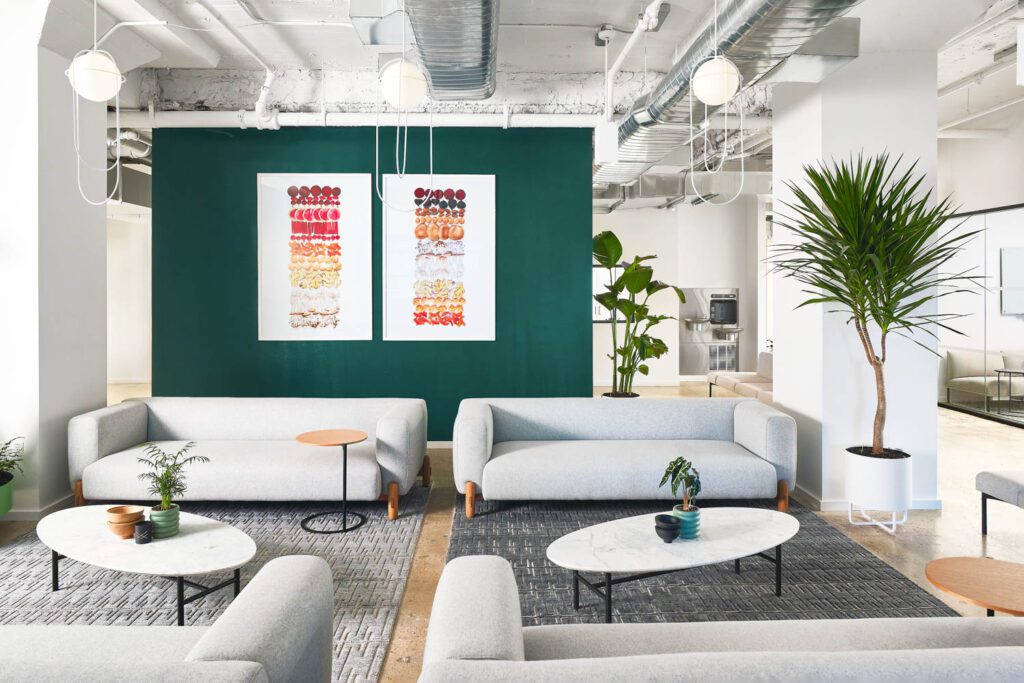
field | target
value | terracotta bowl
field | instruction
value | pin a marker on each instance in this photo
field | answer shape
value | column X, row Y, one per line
column 122, row 514
column 122, row 529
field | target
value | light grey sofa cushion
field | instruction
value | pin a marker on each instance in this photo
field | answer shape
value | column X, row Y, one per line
column 58, row 669
column 729, row 380
column 621, row 469
column 1006, row 485
column 110, row 644
column 287, row 628
column 245, row 470
column 476, row 612
column 99, row 433
column 971, row 363
column 764, row 365
column 892, row 666
column 752, row 389
column 979, row 386
column 770, row 434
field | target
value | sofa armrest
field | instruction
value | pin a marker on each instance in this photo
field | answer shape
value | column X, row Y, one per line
column 99, row 433
column 476, row 612
column 282, row 620
column 768, row 433
column 472, row 441
column 402, row 443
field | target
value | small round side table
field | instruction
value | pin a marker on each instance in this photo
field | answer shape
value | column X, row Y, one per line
column 996, row 585
column 343, row 438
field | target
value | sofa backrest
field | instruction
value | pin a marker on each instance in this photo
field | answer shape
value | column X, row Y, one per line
column 543, row 419
column 764, row 364
column 195, row 418
column 971, row 363
column 1013, row 361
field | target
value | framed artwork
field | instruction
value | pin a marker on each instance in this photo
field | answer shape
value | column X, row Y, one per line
column 439, row 258
column 315, row 256
column 600, row 314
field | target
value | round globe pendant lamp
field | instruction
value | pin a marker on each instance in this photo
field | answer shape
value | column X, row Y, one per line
column 94, row 75
column 716, row 81
column 402, row 85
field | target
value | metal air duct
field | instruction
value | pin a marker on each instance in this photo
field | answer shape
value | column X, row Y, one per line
column 457, row 46
column 757, row 35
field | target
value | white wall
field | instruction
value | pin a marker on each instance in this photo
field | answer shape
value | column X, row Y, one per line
column 129, row 313
column 981, row 174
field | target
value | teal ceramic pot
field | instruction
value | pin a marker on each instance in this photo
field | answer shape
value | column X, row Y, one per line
column 689, row 522
column 6, row 492
column 165, row 522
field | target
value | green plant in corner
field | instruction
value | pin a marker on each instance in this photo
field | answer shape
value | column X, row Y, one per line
column 11, row 453
column 628, row 295
column 869, row 241
column 167, row 471
column 681, row 474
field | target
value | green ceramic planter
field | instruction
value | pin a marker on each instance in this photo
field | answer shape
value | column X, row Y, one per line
column 689, row 522
column 165, row 522
column 6, row 492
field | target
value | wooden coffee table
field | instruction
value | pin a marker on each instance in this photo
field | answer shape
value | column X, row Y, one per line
column 202, row 546
column 996, row 585
column 343, row 438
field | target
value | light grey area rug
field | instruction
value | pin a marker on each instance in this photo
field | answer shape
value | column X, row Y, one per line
column 370, row 566
column 826, row 575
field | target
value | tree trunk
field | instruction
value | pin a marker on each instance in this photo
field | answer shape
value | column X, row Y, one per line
column 877, row 443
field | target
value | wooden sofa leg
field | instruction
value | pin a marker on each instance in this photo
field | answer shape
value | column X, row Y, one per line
column 79, row 498
column 393, row 500
column 711, row 390
column 782, row 497
column 425, row 470
column 470, row 499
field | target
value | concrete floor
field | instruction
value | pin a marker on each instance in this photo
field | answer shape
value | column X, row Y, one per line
column 967, row 444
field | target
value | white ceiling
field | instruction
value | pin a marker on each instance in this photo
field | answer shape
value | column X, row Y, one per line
column 566, row 47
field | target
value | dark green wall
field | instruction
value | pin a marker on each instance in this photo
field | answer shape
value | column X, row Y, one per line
column 205, row 273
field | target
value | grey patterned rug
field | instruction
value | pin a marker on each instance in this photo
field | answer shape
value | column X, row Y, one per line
column 826, row 575
column 370, row 569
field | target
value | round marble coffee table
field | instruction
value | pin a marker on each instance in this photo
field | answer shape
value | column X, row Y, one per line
column 631, row 548
column 202, row 546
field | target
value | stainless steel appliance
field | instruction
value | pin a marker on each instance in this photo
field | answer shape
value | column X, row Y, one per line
column 708, row 336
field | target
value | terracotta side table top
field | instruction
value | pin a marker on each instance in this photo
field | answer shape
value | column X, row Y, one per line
column 332, row 437
column 993, row 584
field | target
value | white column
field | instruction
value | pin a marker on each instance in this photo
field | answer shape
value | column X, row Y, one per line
column 885, row 100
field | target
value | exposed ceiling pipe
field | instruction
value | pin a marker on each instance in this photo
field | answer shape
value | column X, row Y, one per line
column 981, row 112
column 247, row 119
column 293, row 22
column 457, row 46
column 757, row 35
column 1007, row 61
column 263, row 119
column 647, row 21
column 133, row 145
column 153, row 12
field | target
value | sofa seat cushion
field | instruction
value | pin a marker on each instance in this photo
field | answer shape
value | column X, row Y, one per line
column 585, row 641
column 1006, row 485
column 752, row 389
column 975, row 385
column 727, row 380
column 621, row 469
column 244, row 470
column 111, row 644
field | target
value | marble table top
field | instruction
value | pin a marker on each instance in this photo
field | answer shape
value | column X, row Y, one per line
column 630, row 545
column 202, row 546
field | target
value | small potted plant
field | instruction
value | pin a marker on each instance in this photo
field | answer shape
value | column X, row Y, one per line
column 681, row 474
column 167, row 479
column 11, row 453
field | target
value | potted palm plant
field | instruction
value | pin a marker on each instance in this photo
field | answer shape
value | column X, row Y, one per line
column 167, row 479
column 870, row 242
column 681, row 474
column 628, row 294
column 11, row 453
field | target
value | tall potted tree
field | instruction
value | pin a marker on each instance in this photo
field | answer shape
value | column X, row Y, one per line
column 870, row 242
column 629, row 294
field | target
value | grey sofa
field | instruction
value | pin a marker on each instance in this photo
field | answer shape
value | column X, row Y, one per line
column 1006, row 486
column 759, row 385
column 252, row 448
column 278, row 630
column 492, row 645
column 617, row 449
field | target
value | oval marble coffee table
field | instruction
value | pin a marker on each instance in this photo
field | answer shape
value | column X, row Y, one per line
column 202, row 546
column 629, row 546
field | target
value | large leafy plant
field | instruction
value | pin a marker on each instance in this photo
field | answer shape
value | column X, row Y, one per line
column 869, row 241
column 681, row 474
column 11, row 453
column 628, row 294
column 167, row 471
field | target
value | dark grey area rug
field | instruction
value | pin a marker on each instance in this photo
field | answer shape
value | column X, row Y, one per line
column 826, row 574
column 370, row 567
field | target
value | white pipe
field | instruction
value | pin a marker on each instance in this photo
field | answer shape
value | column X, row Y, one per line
column 647, row 21
column 248, row 119
column 977, row 77
column 291, row 22
column 980, row 113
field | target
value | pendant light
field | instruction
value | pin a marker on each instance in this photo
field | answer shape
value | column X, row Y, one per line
column 94, row 75
column 402, row 85
column 716, row 81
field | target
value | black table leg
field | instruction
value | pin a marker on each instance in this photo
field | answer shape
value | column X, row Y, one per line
column 607, row 598
column 181, row 601
column 238, row 582
column 990, row 613
column 778, row 570
column 55, row 570
column 737, row 566
column 575, row 590
column 344, row 505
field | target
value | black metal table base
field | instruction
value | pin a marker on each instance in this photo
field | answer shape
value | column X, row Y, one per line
column 604, row 588
column 344, row 511
column 201, row 590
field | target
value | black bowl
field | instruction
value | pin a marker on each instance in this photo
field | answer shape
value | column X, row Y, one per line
column 667, row 534
column 667, row 521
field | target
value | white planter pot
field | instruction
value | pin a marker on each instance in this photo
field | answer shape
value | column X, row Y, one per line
column 878, row 483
